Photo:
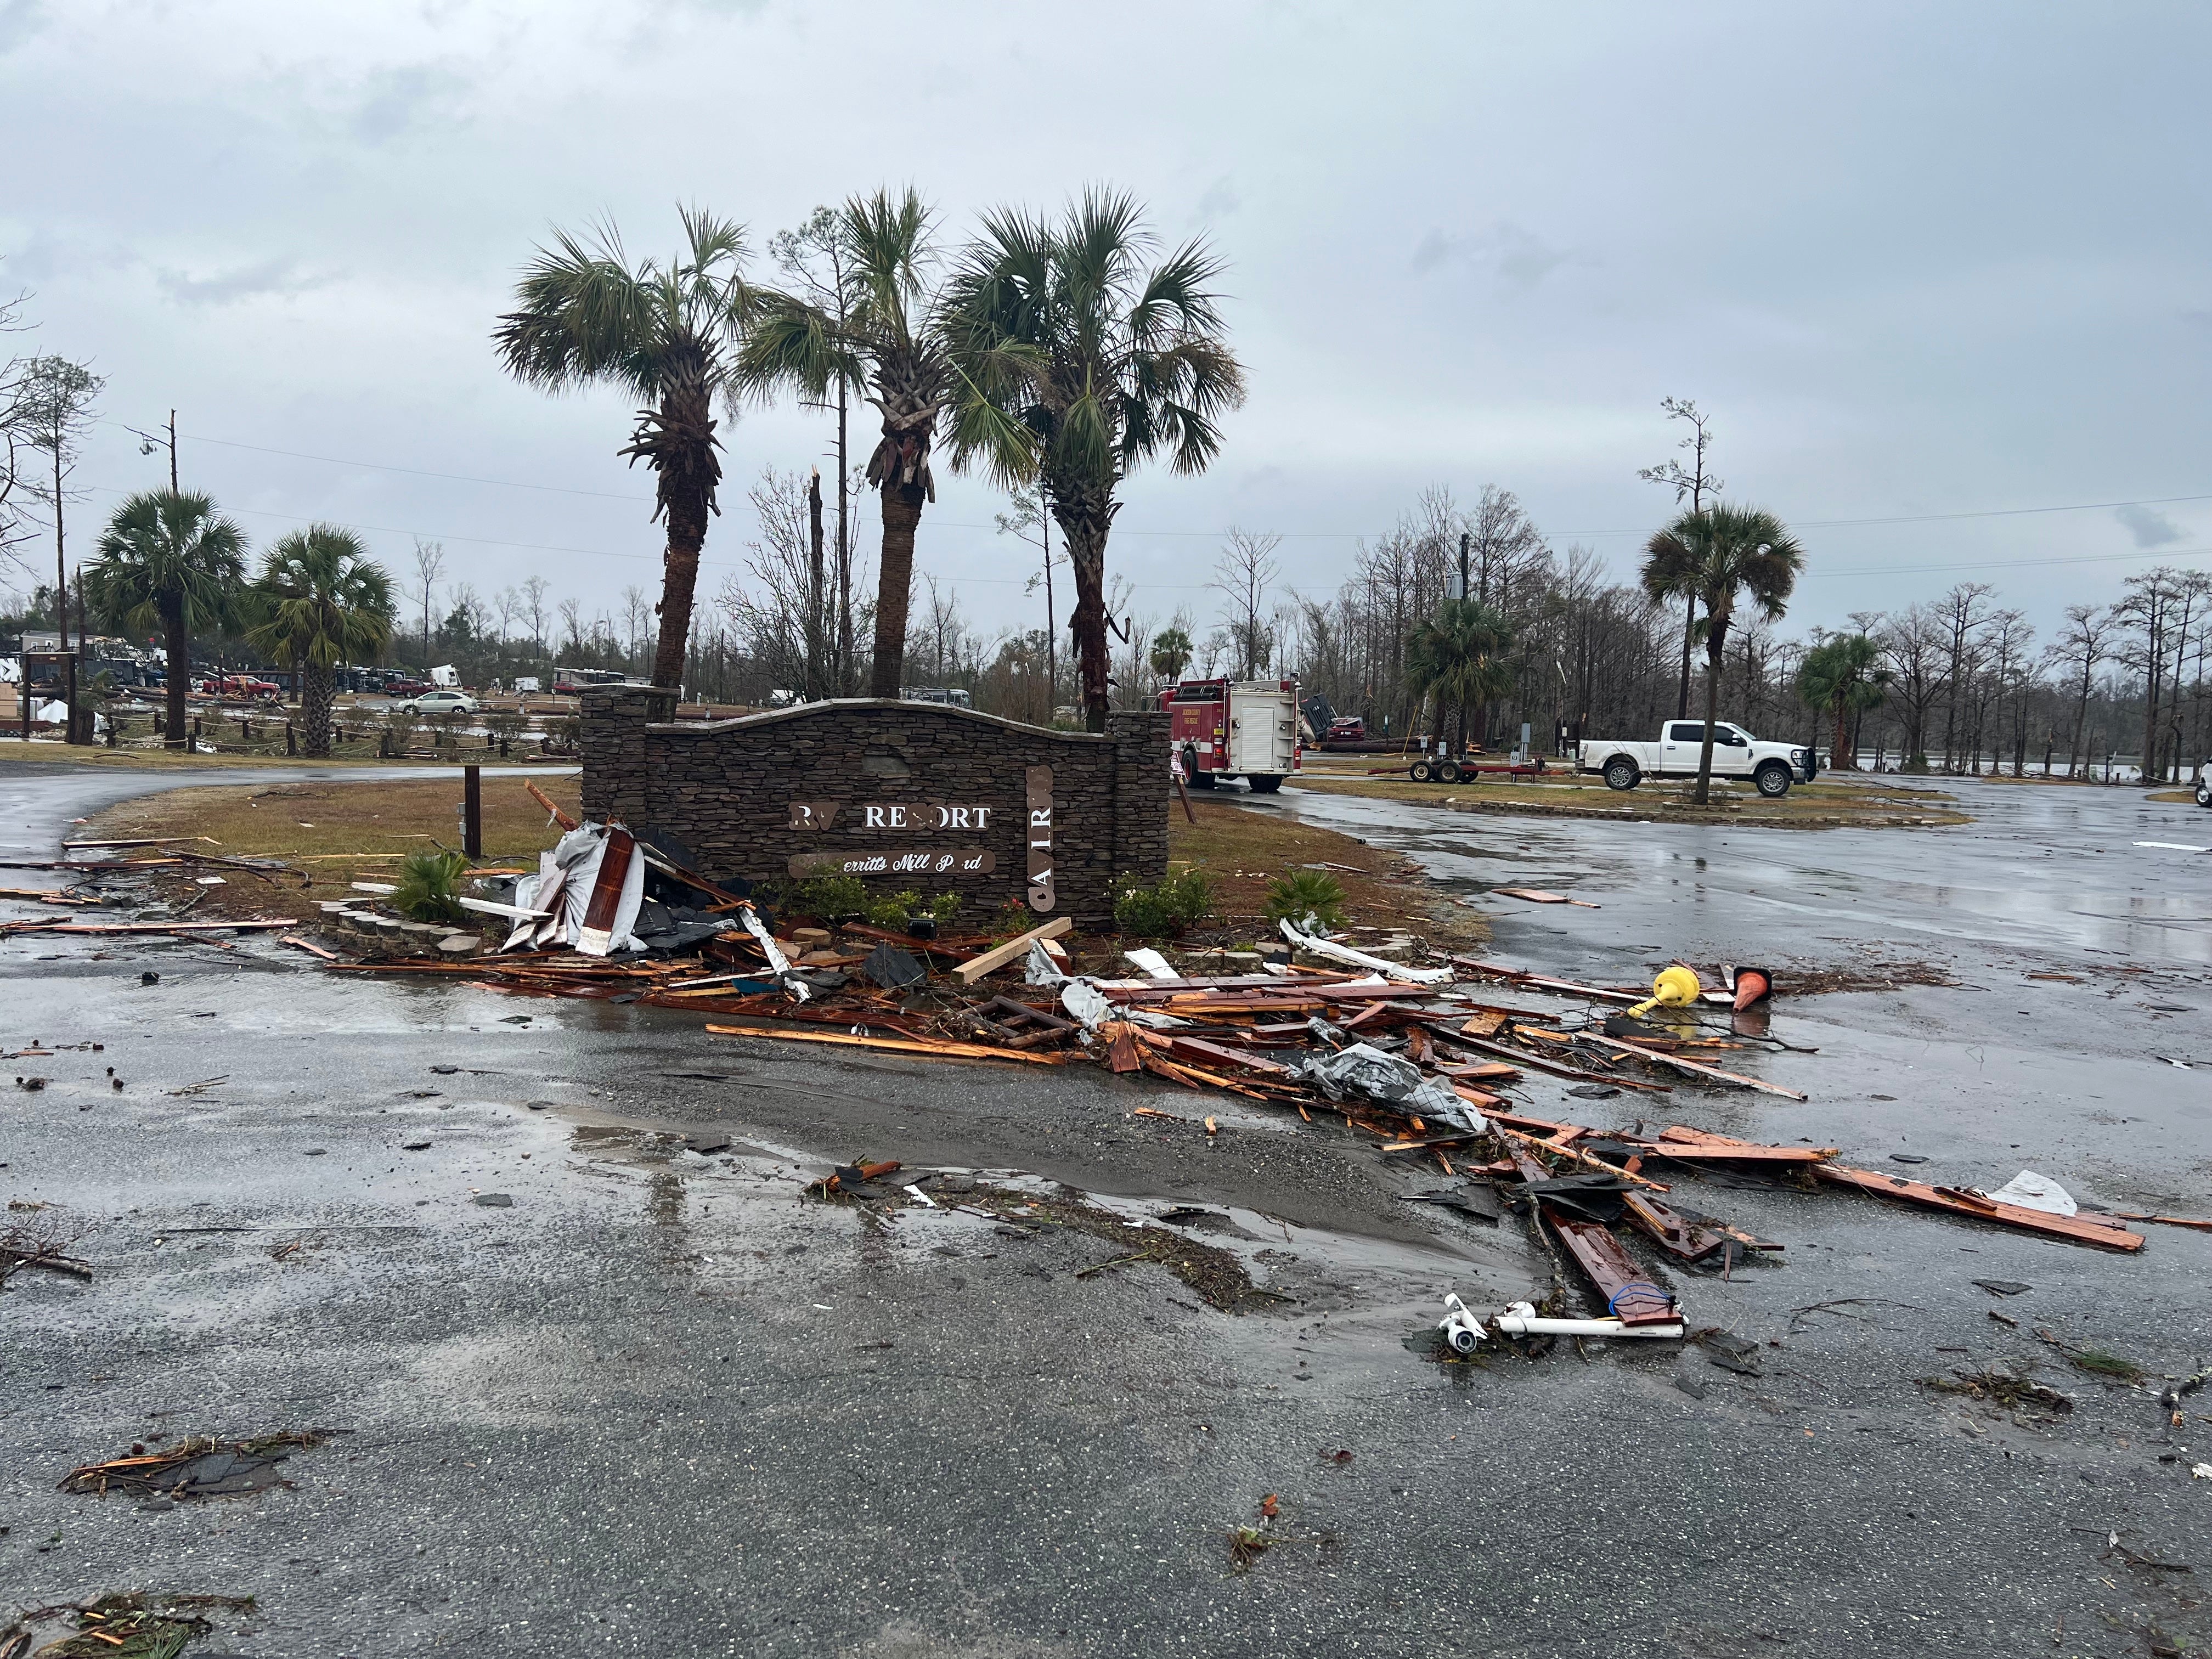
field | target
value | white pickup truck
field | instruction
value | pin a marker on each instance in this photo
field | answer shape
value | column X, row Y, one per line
column 1773, row 767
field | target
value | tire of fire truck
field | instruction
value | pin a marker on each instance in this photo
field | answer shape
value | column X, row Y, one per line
column 1421, row 771
column 1264, row 784
column 1448, row 771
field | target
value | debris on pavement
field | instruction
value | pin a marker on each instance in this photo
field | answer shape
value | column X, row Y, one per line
column 192, row 1468
column 135, row 1627
column 2010, row 1389
column 23, row 1247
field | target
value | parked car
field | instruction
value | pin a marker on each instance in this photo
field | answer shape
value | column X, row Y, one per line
column 440, row 703
column 407, row 688
column 1347, row 728
column 1771, row 767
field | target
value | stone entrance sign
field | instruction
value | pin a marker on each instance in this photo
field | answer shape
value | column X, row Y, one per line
column 905, row 795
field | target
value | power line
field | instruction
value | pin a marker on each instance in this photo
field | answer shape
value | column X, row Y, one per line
column 2142, row 555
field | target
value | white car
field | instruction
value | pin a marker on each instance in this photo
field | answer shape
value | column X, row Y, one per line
column 440, row 703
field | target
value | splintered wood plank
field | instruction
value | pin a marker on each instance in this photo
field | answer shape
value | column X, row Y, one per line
column 975, row 966
column 929, row 1046
column 1677, row 1142
column 1629, row 1297
column 2112, row 1235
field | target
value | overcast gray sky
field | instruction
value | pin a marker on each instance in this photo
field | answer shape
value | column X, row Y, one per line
column 1914, row 260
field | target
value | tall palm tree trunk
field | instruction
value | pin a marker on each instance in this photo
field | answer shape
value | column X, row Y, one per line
column 1689, row 635
column 179, row 680
column 1083, row 527
column 1840, row 757
column 687, row 534
column 1716, row 636
column 895, row 586
column 678, row 441
column 315, row 696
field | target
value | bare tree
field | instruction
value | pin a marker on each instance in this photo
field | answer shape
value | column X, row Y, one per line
column 505, row 604
column 1029, row 521
column 572, row 618
column 53, row 405
column 429, row 566
column 1243, row 573
column 2083, row 643
column 1963, row 612
column 2148, row 617
column 1505, row 549
column 1695, row 483
column 941, row 631
column 1915, row 641
column 534, row 589
column 769, row 605
column 814, row 256
column 636, row 607
column 18, row 485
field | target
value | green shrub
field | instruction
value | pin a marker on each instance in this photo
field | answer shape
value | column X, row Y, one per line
column 428, row 887
column 1307, row 892
column 894, row 913
column 944, row 908
column 827, row 897
column 1163, row 911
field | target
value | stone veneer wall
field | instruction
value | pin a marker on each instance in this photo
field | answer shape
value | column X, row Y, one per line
column 725, row 787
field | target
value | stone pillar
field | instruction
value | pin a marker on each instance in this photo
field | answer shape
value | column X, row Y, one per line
column 1141, row 791
column 617, row 758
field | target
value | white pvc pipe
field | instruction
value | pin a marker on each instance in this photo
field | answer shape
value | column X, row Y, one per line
column 1521, row 1325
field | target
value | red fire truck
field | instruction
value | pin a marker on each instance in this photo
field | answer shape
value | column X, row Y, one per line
column 1244, row 729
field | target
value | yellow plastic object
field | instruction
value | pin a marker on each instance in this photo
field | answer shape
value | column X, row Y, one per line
column 1674, row 987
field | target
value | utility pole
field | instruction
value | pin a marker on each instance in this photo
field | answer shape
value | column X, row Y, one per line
column 1462, row 568
column 813, row 688
column 61, row 564
column 148, row 443
column 1051, row 636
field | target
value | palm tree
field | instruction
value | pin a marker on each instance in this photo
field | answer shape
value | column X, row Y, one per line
column 1710, row 556
column 1172, row 653
column 668, row 333
column 1843, row 675
column 1458, row 656
column 1078, row 363
column 319, row 601
column 887, row 340
column 166, row 560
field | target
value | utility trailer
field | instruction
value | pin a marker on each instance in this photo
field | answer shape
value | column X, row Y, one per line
column 1244, row 729
column 1427, row 768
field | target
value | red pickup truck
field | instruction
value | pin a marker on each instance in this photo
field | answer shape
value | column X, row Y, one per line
column 243, row 685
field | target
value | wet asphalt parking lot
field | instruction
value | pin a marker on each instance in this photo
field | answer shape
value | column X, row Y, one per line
column 656, row 1404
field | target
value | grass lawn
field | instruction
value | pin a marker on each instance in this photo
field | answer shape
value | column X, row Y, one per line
column 1830, row 802
column 1245, row 851
column 335, row 832
column 357, row 752
column 331, row 832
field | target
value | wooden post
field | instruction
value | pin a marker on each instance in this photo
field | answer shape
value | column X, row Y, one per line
column 291, row 743
column 472, row 810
